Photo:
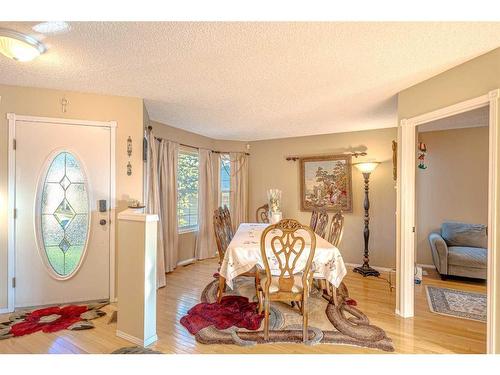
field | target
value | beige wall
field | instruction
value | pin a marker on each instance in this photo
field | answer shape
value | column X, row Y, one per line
column 455, row 184
column 269, row 169
column 471, row 79
column 128, row 112
column 187, row 241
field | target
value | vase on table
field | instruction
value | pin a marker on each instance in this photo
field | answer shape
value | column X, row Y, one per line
column 274, row 198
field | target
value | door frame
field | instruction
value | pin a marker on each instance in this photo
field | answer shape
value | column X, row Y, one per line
column 11, row 240
column 405, row 242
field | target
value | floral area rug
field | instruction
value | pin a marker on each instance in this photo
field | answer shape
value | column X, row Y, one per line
column 457, row 303
column 51, row 319
column 240, row 324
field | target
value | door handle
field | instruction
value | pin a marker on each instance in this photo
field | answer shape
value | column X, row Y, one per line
column 102, row 222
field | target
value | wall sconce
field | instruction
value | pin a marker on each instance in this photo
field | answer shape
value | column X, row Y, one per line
column 129, row 146
column 129, row 153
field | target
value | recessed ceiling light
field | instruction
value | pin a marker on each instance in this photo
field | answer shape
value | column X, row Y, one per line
column 18, row 46
column 51, row 27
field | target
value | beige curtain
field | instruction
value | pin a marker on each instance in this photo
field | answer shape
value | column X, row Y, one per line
column 168, row 155
column 153, row 205
column 239, row 188
column 205, row 241
column 162, row 200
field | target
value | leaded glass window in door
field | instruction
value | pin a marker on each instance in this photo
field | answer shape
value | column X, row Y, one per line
column 64, row 211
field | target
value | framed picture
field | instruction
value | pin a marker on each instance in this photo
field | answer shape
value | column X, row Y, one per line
column 326, row 183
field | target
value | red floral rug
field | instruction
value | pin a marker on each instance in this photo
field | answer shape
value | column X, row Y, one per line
column 232, row 311
column 51, row 319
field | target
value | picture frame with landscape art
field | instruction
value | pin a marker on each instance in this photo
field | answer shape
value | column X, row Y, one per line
column 326, row 183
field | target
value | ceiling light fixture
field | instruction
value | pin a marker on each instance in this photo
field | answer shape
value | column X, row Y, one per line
column 51, row 27
column 19, row 46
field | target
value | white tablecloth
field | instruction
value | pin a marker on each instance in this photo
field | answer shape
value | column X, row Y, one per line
column 243, row 253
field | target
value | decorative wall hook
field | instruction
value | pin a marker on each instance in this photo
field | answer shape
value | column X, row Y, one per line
column 129, row 169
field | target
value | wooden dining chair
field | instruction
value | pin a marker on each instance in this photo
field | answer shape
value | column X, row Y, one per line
column 262, row 214
column 223, row 239
column 285, row 250
column 336, row 229
column 334, row 237
column 321, row 223
column 314, row 219
column 227, row 220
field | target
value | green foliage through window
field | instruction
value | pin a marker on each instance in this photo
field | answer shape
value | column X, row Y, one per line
column 225, row 179
column 187, row 189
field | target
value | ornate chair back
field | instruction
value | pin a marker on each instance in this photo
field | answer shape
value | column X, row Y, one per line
column 227, row 220
column 287, row 247
column 314, row 219
column 262, row 214
column 321, row 224
column 336, row 229
column 221, row 236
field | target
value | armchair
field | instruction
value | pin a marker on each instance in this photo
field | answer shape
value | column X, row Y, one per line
column 460, row 250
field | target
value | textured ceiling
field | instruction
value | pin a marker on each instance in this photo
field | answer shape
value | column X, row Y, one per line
column 470, row 119
column 249, row 81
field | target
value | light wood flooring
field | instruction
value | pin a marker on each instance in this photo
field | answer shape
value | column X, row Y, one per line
column 425, row 333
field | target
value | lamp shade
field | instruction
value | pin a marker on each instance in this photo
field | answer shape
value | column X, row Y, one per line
column 367, row 167
column 19, row 46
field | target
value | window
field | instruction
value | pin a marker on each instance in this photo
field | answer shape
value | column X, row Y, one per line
column 187, row 190
column 225, row 180
column 64, row 214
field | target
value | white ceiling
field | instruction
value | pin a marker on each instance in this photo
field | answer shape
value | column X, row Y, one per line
column 249, row 81
column 471, row 119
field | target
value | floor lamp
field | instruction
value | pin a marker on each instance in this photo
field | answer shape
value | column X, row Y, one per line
column 366, row 168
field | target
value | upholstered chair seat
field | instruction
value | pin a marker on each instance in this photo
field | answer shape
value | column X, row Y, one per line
column 274, row 287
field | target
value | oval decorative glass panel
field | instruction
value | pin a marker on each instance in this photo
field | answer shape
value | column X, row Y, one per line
column 64, row 214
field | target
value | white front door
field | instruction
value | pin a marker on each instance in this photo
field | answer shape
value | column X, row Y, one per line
column 62, row 235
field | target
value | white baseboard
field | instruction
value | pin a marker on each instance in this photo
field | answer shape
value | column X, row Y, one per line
column 186, row 262
column 427, row 266
column 5, row 311
column 136, row 340
column 382, row 269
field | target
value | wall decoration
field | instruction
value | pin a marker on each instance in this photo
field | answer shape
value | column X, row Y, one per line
column 394, row 160
column 129, row 153
column 422, row 151
column 326, row 183
column 64, row 105
column 129, row 147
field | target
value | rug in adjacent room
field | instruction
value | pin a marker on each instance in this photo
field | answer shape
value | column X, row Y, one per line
column 239, row 324
column 457, row 303
column 135, row 350
column 51, row 319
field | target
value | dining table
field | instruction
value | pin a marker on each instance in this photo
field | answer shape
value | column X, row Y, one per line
column 243, row 253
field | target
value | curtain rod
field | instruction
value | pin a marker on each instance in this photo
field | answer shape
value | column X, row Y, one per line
column 185, row 145
column 355, row 154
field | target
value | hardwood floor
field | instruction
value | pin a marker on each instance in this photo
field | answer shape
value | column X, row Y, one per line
column 425, row 333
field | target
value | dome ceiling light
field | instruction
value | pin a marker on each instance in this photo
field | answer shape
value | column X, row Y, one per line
column 19, row 46
column 51, row 27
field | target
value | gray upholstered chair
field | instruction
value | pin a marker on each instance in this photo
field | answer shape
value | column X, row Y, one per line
column 460, row 250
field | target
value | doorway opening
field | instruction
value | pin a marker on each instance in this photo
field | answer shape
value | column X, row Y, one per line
column 451, row 208
column 406, row 218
